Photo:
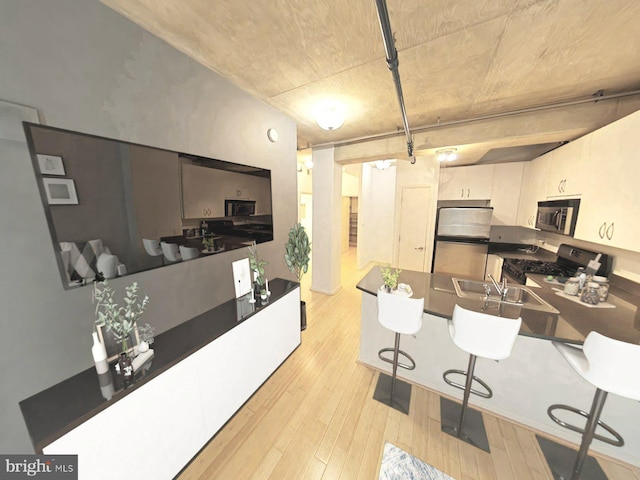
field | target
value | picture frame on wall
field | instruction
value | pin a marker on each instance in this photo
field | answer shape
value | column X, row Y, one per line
column 112, row 346
column 50, row 164
column 60, row 191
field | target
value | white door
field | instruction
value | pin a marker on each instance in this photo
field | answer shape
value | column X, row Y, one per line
column 414, row 220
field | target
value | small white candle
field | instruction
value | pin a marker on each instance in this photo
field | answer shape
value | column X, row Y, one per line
column 253, row 299
column 266, row 281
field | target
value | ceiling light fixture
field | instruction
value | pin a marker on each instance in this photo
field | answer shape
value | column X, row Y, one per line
column 447, row 154
column 330, row 118
column 383, row 164
column 308, row 163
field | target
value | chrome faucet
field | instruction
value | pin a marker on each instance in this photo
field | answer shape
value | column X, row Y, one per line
column 502, row 289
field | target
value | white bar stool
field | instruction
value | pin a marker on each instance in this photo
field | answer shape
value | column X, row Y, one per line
column 187, row 253
column 612, row 367
column 402, row 315
column 170, row 251
column 480, row 335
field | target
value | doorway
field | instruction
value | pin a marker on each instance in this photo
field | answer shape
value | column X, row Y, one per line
column 414, row 223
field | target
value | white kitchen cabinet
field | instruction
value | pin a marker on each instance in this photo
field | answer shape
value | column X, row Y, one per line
column 608, row 208
column 466, row 183
column 568, row 172
column 505, row 192
column 204, row 191
column 534, row 179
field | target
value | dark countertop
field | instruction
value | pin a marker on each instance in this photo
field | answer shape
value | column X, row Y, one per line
column 62, row 407
column 571, row 325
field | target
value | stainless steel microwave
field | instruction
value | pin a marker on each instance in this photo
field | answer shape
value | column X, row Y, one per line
column 558, row 216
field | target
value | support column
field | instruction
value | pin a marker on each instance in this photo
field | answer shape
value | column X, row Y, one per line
column 327, row 204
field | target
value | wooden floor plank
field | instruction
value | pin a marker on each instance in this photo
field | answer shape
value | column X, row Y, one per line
column 315, row 417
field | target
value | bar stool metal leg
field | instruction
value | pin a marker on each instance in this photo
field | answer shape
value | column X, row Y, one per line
column 467, row 392
column 389, row 390
column 596, row 409
column 452, row 414
column 559, row 457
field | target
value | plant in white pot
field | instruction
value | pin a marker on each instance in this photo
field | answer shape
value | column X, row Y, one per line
column 121, row 321
column 296, row 256
column 390, row 277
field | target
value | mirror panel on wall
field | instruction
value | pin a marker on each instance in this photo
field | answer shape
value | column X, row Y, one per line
column 110, row 203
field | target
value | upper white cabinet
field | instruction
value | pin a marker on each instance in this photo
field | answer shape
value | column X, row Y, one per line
column 567, row 175
column 204, row 191
column 608, row 204
column 505, row 192
column 466, row 183
column 534, row 180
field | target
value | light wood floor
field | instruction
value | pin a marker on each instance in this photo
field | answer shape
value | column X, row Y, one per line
column 315, row 417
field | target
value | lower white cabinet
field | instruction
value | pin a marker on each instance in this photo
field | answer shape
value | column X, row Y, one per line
column 157, row 429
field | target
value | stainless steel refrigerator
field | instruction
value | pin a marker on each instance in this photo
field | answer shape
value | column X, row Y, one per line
column 462, row 241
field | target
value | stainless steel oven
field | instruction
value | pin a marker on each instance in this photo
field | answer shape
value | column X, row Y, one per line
column 558, row 216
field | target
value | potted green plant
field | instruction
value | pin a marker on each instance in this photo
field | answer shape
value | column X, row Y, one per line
column 296, row 256
column 209, row 243
column 390, row 277
column 257, row 266
column 120, row 320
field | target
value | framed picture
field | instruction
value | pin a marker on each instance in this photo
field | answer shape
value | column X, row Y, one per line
column 50, row 164
column 241, row 277
column 60, row 191
column 112, row 346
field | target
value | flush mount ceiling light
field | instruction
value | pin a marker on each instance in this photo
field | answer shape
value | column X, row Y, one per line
column 447, row 154
column 330, row 117
column 383, row 164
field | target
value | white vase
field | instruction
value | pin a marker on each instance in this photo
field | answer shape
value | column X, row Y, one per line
column 107, row 265
column 143, row 347
column 99, row 354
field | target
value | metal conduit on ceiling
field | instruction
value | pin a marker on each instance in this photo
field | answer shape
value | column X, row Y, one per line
column 392, row 63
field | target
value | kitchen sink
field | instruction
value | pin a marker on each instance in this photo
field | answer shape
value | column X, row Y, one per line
column 516, row 295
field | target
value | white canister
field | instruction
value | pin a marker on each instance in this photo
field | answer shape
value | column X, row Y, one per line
column 572, row 286
column 603, row 287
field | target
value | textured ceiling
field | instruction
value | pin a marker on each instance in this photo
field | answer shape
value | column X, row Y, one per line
column 458, row 58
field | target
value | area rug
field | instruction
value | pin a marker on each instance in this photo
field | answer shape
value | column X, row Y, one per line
column 399, row 465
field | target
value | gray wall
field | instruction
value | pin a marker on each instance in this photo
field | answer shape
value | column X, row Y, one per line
column 86, row 68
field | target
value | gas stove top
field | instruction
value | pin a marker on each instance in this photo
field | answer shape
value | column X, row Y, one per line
column 518, row 268
column 567, row 262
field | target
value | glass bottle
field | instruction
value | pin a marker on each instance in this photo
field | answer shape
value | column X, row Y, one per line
column 126, row 368
column 582, row 277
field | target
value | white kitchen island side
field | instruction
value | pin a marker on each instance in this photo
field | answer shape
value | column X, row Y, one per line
column 524, row 385
column 154, row 431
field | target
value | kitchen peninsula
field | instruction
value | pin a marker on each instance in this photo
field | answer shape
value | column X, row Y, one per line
column 203, row 371
column 528, row 382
